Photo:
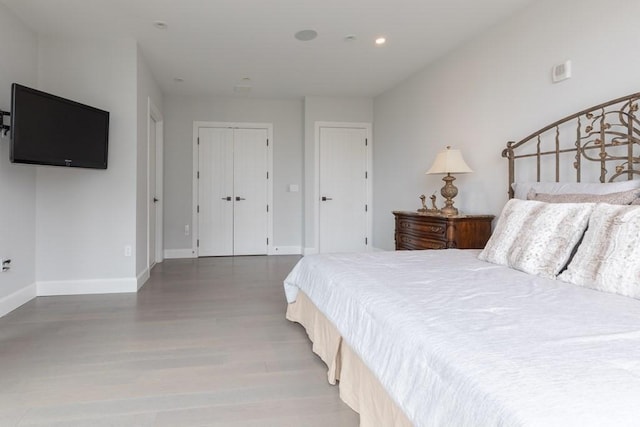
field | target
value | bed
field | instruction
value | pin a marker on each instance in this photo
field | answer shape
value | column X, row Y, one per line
column 540, row 328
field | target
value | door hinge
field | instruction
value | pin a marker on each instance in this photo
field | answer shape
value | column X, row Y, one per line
column 198, row 140
column 198, row 243
column 267, row 142
column 267, row 175
column 366, row 241
column 366, row 142
column 267, row 208
column 198, row 174
column 366, row 208
column 267, row 240
column 366, row 175
column 198, row 209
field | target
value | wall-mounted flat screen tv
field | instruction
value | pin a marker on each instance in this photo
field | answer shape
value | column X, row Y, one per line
column 50, row 130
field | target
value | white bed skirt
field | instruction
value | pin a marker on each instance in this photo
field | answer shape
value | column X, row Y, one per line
column 359, row 388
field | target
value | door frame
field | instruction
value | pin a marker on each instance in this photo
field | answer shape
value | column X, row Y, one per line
column 154, row 115
column 316, row 179
column 195, row 166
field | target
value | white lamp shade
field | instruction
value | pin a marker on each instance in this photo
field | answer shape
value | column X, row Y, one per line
column 449, row 161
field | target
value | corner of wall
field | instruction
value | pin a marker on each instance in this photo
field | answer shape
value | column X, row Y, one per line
column 17, row 182
column 17, row 299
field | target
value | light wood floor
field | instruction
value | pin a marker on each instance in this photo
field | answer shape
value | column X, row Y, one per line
column 204, row 343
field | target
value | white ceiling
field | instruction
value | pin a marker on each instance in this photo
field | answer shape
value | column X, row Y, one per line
column 214, row 44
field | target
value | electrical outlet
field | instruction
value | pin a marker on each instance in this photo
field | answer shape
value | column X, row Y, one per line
column 127, row 250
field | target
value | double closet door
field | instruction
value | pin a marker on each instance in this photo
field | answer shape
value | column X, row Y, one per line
column 233, row 180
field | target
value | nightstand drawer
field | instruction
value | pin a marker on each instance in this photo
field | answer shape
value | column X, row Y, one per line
column 409, row 242
column 428, row 229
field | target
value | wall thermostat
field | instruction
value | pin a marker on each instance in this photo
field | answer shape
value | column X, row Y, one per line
column 561, row 71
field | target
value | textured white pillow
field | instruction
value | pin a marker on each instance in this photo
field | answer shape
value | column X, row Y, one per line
column 521, row 189
column 536, row 237
column 608, row 259
column 621, row 198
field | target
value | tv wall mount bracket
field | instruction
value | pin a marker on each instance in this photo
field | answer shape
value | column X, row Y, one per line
column 4, row 128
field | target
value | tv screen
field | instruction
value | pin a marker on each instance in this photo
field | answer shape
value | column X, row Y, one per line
column 50, row 130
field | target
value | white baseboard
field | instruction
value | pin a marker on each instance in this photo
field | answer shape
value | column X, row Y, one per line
column 85, row 287
column 178, row 253
column 16, row 299
column 142, row 278
column 188, row 253
column 314, row 251
column 286, row 250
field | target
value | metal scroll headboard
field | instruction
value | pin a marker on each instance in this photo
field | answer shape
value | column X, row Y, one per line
column 593, row 140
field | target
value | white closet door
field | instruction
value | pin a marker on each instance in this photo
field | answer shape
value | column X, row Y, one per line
column 343, row 190
column 250, row 192
column 215, row 192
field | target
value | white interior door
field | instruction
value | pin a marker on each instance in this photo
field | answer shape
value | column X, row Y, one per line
column 155, row 144
column 250, row 183
column 215, row 192
column 343, row 189
column 152, row 198
column 233, row 190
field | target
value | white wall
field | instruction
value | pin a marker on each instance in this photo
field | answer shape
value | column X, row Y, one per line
column 181, row 112
column 17, row 182
column 325, row 109
column 495, row 89
column 85, row 217
column 147, row 89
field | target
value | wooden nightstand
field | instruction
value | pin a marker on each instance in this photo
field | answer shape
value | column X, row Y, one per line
column 432, row 231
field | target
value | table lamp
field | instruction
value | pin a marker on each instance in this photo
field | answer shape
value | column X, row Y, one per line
column 449, row 161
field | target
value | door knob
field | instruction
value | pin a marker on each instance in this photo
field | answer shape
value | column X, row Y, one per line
column 228, row 198
column 324, row 199
column 156, row 200
column 238, row 198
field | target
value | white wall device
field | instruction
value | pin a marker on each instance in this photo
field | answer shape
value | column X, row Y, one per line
column 561, row 72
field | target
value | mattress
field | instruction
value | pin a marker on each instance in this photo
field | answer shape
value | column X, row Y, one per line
column 458, row 341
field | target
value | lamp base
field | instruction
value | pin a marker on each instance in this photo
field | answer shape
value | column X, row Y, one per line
column 449, row 211
column 449, row 191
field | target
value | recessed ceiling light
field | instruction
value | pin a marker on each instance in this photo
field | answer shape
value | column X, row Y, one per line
column 306, row 35
column 350, row 37
column 160, row 25
column 381, row 41
column 178, row 79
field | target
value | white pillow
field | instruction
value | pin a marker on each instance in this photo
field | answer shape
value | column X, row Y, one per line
column 608, row 259
column 537, row 237
column 621, row 198
column 521, row 189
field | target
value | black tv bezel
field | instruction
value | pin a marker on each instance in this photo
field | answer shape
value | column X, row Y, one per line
column 17, row 86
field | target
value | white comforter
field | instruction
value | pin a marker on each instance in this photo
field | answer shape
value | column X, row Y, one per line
column 458, row 341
